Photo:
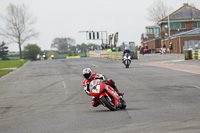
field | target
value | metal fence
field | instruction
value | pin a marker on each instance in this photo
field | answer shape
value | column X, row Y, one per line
column 192, row 44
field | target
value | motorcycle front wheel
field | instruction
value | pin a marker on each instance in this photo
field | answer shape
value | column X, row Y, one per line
column 108, row 103
column 123, row 103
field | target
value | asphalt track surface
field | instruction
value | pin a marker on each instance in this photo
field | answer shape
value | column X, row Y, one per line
column 48, row 97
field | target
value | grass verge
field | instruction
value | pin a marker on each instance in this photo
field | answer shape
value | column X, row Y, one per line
column 4, row 72
column 12, row 63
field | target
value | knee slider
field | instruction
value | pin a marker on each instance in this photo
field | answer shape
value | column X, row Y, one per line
column 95, row 104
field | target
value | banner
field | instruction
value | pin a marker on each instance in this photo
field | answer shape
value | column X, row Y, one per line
column 109, row 39
column 116, row 39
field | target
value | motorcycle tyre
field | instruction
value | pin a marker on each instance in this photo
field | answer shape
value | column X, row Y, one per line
column 107, row 103
column 127, row 65
column 123, row 103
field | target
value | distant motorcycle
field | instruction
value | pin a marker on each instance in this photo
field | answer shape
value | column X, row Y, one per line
column 162, row 50
column 106, row 95
column 127, row 60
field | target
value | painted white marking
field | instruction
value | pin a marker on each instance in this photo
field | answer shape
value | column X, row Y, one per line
column 63, row 83
column 196, row 87
column 182, row 71
column 95, row 65
column 172, row 61
column 60, row 77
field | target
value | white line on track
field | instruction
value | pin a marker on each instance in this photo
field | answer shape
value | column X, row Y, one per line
column 196, row 86
column 172, row 61
column 63, row 82
column 95, row 65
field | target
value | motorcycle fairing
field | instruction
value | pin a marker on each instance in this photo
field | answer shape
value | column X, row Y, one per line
column 114, row 94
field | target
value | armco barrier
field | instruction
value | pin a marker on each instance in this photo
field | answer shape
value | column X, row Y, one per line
column 198, row 54
column 115, row 55
column 118, row 55
column 188, row 54
column 192, row 54
column 138, row 53
column 110, row 55
column 71, row 57
column 98, row 53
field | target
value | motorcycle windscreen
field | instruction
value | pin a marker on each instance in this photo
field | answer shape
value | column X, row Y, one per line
column 94, row 88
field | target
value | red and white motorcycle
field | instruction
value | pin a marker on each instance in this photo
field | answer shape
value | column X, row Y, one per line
column 106, row 95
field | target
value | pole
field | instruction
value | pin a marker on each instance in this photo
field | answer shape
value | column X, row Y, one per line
column 168, row 31
column 106, row 38
column 102, row 37
column 168, row 27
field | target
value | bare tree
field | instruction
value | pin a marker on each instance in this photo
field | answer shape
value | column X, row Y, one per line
column 18, row 25
column 157, row 11
column 62, row 44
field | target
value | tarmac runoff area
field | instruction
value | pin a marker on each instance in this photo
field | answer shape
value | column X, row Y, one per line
column 178, row 66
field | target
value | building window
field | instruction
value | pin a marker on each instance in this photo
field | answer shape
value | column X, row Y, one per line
column 196, row 24
column 150, row 31
column 182, row 25
column 163, row 27
column 177, row 26
column 156, row 32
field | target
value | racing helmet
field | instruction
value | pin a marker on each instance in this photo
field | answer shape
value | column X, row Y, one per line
column 126, row 48
column 87, row 72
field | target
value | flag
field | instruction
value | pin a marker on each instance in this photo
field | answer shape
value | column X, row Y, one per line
column 109, row 39
column 116, row 39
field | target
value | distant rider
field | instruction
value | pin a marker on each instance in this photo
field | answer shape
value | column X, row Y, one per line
column 126, row 50
column 89, row 76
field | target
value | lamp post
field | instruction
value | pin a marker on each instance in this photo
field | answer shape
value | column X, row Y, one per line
column 168, row 27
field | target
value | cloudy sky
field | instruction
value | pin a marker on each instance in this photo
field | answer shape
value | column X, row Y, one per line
column 65, row 18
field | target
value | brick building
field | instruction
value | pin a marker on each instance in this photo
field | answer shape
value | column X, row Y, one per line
column 180, row 26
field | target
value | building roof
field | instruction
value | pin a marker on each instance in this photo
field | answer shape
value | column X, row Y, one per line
column 186, row 12
column 187, row 33
column 153, row 26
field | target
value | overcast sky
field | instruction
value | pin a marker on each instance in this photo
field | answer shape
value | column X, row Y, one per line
column 65, row 18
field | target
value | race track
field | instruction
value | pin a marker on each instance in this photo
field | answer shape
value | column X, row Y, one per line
column 48, row 97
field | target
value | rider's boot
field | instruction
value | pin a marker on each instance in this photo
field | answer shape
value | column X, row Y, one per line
column 94, row 102
column 111, row 83
column 119, row 93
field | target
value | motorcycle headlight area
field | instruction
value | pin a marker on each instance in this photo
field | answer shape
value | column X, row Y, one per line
column 96, row 89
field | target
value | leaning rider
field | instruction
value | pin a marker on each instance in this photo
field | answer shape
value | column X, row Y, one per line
column 89, row 76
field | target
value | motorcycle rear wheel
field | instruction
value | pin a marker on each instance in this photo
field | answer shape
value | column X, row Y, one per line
column 108, row 103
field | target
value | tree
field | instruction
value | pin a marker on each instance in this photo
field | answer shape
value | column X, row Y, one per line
column 62, row 44
column 73, row 49
column 3, row 51
column 18, row 25
column 83, row 47
column 157, row 11
column 30, row 51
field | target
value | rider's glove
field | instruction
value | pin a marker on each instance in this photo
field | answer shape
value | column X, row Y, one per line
column 87, row 91
column 101, row 77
